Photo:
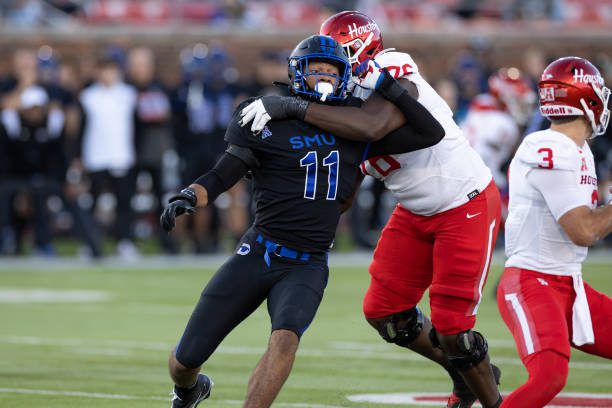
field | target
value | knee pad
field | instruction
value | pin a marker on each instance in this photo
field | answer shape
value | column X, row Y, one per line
column 403, row 328
column 473, row 348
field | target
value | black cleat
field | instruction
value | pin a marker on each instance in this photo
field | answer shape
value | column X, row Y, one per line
column 200, row 392
column 463, row 397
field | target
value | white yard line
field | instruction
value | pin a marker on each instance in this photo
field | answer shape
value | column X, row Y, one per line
column 359, row 351
column 96, row 395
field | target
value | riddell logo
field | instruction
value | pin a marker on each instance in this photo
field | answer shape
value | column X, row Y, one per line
column 355, row 31
column 554, row 110
column 580, row 76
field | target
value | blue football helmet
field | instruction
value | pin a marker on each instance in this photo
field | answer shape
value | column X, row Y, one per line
column 318, row 48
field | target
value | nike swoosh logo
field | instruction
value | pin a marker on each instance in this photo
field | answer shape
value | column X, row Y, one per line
column 468, row 215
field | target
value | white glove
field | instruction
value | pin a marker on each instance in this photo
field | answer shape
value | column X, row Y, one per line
column 371, row 76
column 256, row 112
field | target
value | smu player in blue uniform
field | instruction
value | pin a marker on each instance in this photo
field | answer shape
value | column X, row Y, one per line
column 303, row 178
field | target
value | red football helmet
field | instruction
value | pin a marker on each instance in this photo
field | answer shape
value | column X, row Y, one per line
column 572, row 86
column 513, row 91
column 358, row 34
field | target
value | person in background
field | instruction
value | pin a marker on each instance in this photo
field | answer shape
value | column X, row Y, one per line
column 32, row 140
column 107, row 152
column 495, row 121
column 152, row 129
column 203, row 106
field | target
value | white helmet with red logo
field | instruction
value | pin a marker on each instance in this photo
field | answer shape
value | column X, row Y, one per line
column 513, row 92
column 572, row 86
column 358, row 34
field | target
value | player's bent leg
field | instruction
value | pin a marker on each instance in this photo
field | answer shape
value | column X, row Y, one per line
column 410, row 329
column 272, row 370
column 467, row 352
column 547, row 376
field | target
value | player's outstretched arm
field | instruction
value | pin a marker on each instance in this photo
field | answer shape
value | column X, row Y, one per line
column 231, row 167
column 371, row 122
column 585, row 226
column 565, row 200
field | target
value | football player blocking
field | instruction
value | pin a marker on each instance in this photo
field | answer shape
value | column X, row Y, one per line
column 303, row 178
column 553, row 218
column 444, row 226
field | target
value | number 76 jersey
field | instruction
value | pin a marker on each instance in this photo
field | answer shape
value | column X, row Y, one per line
column 436, row 179
column 565, row 180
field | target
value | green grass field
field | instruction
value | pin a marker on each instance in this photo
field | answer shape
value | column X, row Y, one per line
column 112, row 352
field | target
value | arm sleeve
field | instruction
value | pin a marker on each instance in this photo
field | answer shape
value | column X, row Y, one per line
column 417, row 116
column 403, row 140
column 559, row 189
column 226, row 172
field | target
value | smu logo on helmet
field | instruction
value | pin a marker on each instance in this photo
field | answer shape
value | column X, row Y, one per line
column 580, row 76
column 356, row 31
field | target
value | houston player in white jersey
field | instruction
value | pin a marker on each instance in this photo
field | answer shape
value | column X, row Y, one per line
column 552, row 220
column 495, row 119
column 440, row 235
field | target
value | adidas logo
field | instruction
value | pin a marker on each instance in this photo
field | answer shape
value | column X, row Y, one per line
column 266, row 133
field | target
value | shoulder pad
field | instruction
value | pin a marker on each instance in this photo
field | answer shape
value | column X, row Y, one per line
column 399, row 64
column 549, row 150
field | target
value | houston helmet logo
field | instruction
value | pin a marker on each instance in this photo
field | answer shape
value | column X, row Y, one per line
column 580, row 76
column 355, row 30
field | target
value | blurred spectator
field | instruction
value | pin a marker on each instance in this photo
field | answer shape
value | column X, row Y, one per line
column 25, row 13
column 24, row 74
column 470, row 78
column 153, row 133
column 203, row 106
column 495, row 122
column 34, row 167
column 107, row 146
column 535, row 10
column 33, row 162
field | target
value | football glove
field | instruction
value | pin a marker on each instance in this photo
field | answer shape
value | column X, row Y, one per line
column 179, row 204
column 369, row 74
column 267, row 108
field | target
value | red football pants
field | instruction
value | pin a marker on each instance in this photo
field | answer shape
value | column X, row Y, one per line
column 537, row 308
column 449, row 253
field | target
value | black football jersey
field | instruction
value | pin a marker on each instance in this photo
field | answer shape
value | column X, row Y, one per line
column 304, row 178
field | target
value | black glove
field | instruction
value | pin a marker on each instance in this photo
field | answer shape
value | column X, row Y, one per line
column 179, row 204
column 283, row 107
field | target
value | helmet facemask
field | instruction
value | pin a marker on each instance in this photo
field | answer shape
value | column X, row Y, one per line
column 599, row 127
column 324, row 91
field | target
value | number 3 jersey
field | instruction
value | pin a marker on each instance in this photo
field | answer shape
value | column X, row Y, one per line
column 548, row 176
column 436, row 179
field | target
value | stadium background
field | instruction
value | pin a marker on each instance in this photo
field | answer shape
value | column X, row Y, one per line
column 95, row 334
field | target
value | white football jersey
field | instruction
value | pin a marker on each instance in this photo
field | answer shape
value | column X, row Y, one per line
column 493, row 133
column 534, row 238
column 436, row 179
